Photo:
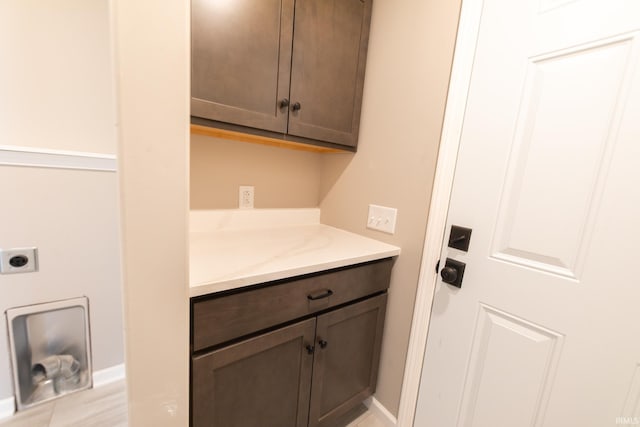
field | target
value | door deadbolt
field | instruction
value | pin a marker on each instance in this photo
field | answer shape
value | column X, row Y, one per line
column 452, row 272
column 459, row 238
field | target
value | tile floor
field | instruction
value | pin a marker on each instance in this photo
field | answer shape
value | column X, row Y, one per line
column 104, row 406
column 368, row 419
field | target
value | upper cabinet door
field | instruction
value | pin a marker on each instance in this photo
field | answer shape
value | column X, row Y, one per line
column 327, row 71
column 240, row 62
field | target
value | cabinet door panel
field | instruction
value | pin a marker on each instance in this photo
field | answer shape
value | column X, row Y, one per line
column 327, row 72
column 240, row 62
column 345, row 370
column 260, row 382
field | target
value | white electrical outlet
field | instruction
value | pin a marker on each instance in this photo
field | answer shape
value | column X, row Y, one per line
column 18, row 260
column 382, row 218
column 245, row 197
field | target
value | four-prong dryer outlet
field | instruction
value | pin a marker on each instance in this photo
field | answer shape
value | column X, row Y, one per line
column 18, row 260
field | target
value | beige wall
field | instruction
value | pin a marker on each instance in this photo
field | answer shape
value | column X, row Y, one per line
column 152, row 53
column 56, row 73
column 282, row 178
column 408, row 67
column 57, row 93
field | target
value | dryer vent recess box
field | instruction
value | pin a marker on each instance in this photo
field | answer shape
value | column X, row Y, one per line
column 50, row 350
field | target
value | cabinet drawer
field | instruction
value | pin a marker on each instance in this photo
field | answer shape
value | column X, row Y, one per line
column 224, row 318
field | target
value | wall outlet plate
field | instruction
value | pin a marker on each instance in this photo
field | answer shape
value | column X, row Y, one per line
column 18, row 260
column 245, row 196
column 382, row 218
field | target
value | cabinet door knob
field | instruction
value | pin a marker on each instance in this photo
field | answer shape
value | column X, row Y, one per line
column 310, row 348
column 323, row 344
column 296, row 106
column 284, row 103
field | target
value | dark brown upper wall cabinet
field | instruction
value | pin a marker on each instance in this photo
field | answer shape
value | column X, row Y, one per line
column 239, row 70
column 292, row 70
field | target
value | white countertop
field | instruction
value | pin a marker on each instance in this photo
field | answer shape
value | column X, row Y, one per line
column 232, row 249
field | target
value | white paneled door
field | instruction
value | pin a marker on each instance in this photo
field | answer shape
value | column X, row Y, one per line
column 545, row 330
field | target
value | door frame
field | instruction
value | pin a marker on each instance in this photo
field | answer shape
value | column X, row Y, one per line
column 464, row 54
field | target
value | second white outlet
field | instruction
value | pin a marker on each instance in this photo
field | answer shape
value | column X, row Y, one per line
column 245, row 197
column 382, row 218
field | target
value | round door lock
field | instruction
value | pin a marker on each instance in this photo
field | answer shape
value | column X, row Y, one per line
column 449, row 274
column 452, row 272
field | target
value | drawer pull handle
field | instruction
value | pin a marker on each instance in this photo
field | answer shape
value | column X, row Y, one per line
column 325, row 294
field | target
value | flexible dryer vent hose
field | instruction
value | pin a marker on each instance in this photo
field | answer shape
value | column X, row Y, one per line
column 51, row 367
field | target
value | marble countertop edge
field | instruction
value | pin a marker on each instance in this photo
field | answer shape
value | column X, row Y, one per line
column 200, row 289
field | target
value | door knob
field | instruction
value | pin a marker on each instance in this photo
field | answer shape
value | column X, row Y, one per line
column 452, row 272
column 284, row 103
column 449, row 274
column 323, row 343
column 296, row 106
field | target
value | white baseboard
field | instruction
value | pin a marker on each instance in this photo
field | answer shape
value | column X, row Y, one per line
column 100, row 378
column 7, row 407
column 108, row 375
column 382, row 414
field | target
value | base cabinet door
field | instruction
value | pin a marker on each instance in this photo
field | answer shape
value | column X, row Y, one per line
column 260, row 382
column 346, row 359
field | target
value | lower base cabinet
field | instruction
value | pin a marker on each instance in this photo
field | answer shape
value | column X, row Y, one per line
column 308, row 373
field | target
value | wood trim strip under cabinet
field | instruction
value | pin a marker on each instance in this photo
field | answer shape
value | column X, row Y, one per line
column 256, row 139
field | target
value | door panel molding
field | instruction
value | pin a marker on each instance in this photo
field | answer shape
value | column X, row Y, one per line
column 536, row 226
column 503, row 341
